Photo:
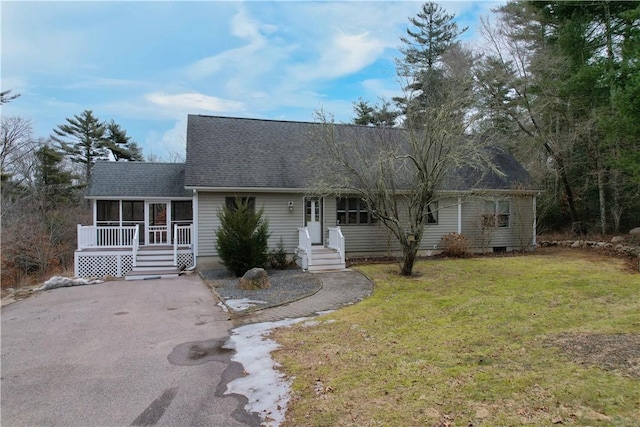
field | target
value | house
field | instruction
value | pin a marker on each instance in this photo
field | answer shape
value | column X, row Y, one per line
column 150, row 219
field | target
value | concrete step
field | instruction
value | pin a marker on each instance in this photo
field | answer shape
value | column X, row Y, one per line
column 155, row 258
column 161, row 252
column 164, row 267
column 151, row 276
column 327, row 267
column 325, row 261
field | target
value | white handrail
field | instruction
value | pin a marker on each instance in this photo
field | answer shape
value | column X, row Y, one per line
column 136, row 244
column 304, row 243
column 336, row 241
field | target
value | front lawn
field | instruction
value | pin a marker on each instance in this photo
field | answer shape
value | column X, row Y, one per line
column 526, row 340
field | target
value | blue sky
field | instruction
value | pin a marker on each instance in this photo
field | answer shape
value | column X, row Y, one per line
column 147, row 64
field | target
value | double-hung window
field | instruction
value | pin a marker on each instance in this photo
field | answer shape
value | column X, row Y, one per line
column 352, row 210
column 497, row 213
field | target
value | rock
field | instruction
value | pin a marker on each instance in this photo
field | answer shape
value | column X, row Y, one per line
column 635, row 231
column 256, row 278
column 617, row 239
column 576, row 244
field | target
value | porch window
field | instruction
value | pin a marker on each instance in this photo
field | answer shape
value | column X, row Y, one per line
column 182, row 212
column 108, row 212
column 352, row 210
column 497, row 213
column 132, row 212
column 232, row 203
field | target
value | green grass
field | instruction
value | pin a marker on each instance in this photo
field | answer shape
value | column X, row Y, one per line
column 469, row 342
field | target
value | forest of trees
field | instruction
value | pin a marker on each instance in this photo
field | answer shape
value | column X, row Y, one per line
column 557, row 83
column 42, row 189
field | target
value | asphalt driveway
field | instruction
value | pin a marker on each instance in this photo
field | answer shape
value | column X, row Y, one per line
column 117, row 354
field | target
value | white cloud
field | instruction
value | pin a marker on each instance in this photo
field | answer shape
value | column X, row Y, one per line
column 194, row 102
column 168, row 145
column 105, row 82
column 244, row 27
column 345, row 54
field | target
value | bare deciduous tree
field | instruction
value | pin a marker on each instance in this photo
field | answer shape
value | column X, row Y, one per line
column 398, row 173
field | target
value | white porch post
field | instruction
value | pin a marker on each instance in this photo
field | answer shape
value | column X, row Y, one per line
column 535, row 221
column 459, row 215
column 194, row 230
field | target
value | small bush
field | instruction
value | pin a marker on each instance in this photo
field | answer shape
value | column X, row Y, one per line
column 278, row 256
column 455, row 245
column 241, row 240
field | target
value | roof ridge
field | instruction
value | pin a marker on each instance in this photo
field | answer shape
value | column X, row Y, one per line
column 208, row 116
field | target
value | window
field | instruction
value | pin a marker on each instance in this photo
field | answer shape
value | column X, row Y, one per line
column 351, row 210
column 132, row 211
column 182, row 212
column 496, row 213
column 108, row 212
column 432, row 213
column 232, row 203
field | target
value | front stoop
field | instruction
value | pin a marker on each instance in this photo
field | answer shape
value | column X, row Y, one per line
column 154, row 263
column 325, row 259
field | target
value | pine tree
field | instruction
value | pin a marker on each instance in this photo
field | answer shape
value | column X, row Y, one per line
column 433, row 34
column 54, row 183
column 83, row 140
column 120, row 144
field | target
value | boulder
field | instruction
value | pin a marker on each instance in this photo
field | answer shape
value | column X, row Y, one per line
column 635, row 231
column 576, row 244
column 617, row 239
column 256, row 278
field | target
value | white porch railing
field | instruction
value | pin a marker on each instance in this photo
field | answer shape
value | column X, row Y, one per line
column 181, row 237
column 91, row 236
column 336, row 241
column 304, row 245
column 136, row 244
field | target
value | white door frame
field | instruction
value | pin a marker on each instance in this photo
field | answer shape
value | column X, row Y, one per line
column 313, row 219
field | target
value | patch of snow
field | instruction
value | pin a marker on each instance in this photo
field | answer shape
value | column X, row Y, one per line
column 265, row 387
column 61, row 282
column 242, row 304
column 224, row 307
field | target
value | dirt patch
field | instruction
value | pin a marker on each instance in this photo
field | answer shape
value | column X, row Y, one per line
column 611, row 352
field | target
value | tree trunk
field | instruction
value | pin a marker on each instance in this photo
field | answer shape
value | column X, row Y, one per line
column 568, row 191
column 602, row 198
column 616, row 209
column 409, row 252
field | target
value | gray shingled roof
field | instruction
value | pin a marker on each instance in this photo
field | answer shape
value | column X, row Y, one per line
column 226, row 152
column 137, row 179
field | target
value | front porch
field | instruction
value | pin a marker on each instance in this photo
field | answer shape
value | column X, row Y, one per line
column 314, row 257
column 117, row 251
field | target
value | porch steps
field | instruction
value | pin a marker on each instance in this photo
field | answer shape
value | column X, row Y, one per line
column 153, row 263
column 325, row 259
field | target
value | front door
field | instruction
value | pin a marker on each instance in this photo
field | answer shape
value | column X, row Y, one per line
column 157, row 223
column 313, row 219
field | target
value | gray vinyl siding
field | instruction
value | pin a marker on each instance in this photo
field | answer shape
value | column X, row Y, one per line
column 282, row 221
column 373, row 238
column 519, row 233
column 208, row 206
column 376, row 238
